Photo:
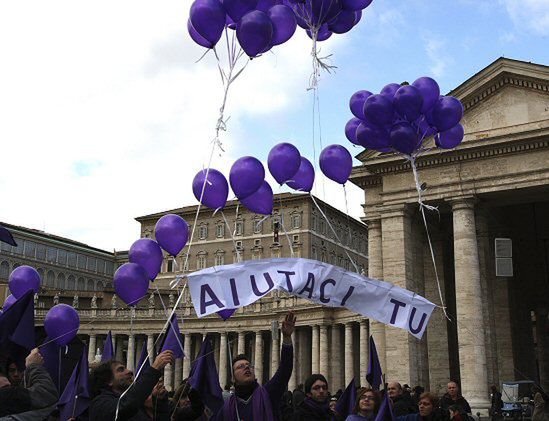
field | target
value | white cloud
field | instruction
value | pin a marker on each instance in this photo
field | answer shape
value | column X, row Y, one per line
column 435, row 50
column 106, row 116
column 532, row 15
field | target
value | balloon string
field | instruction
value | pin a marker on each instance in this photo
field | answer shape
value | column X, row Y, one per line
column 335, row 234
column 284, row 228
column 236, row 249
column 316, row 94
column 161, row 300
column 347, row 212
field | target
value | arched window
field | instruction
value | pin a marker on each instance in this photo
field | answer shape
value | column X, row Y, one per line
column 71, row 282
column 4, row 270
column 61, row 281
column 50, row 279
column 41, row 273
column 81, row 285
column 100, row 285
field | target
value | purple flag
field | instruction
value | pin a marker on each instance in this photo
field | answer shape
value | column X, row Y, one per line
column 17, row 329
column 108, row 349
column 144, row 357
column 173, row 340
column 385, row 411
column 6, row 237
column 204, row 377
column 226, row 313
column 374, row 375
column 75, row 399
column 347, row 400
column 60, row 361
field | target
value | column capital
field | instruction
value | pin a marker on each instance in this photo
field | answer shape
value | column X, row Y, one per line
column 462, row 202
column 373, row 223
column 363, row 322
column 401, row 210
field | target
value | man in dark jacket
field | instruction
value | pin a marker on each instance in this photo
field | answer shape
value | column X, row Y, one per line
column 117, row 391
column 252, row 401
column 315, row 406
column 453, row 397
column 403, row 404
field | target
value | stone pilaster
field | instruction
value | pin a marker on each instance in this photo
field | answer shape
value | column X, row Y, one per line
column 504, row 340
column 472, row 348
column 324, row 354
column 177, row 373
column 130, row 360
column 303, row 368
column 150, row 347
column 337, row 381
column 364, row 351
column 188, row 356
column 168, row 377
column 375, row 271
column 292, row 384
column 119, row 348
column 275, row 351
column 349, row 368
column 542, row 334
column 314, row 350
column 223, row 359
column 258, row 361
column 241, row 342
column 91, row 348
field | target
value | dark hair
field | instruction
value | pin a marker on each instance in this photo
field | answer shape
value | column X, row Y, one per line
column 312, row 379
column 431, row 396
column 361, row 392
column 181, row 392
column 240, row 357
column 101, row 376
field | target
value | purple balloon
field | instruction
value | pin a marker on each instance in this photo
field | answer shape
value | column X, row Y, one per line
column 379, row 109
column 358, row 16
column 356, row 103
column 355, row 5
column 304, row 178
column 404, row 138
column 171, row 232
column 246, row 176
column 199, row 39
column 131, row 283
column 226, row 313
column 283, row 162
column 447, row 112
column 261, row 201
column 390, row 90
column 408, row 102
column 350, row 130
column 343, row 22
column 450, row 138
column 216, row 188
column 336, row 163
column 61, row 324
column 238, row 8
column 323, row 33
column 430, row 91
column 22, row 279
column 147, row 253
column 208, row 19
column 372, row 136
column 323, row 11
column 425, row 129
column 255, row 32
column 265, row 5
column 284, row 23
column 8, row 302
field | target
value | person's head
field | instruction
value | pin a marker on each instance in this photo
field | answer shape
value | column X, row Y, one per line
column 158, row 389
column 367, row 401
column 418, row 390
column 333, row 404
column 316, row 388
column 493, row 388
column 406, row 388
column 454, row 410
column 453, row 389
column 427, row 403
column 111, row 375
column 394, row 389
column 243, row 371
column 15, row 376
column 181, row 396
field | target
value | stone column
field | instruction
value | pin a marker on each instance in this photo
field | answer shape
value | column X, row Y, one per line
column 364, row 351
column 303, row 369
column 314, row 350
column 542, row 334
column 188, row 356
column 472, row 349
column 150, row 347
column 130, row 360
column 337, row 381
column 324, row 357
column 119, row 348
column 168, row 377
column 241, row 342
column 275, row 351
column 349, row 369
column 258, row 362
column 375, row 271
column 178, row 372
column 292, row 384
column 223, row 359
column 91, row 348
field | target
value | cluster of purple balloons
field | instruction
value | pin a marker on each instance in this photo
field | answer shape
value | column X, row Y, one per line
column 401, row 117
column 131, row 280
column 259, row 24
column 322, row 18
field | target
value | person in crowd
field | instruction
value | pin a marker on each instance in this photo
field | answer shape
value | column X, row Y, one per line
column 333, row 404
column 116, row 391
column 33, row 401
column 402, row 401
column 226, row 392
column 15, row 376
column 186, row 403
column 416, row 393
column 299, row 395
column 541, row 409
column 286, row 406
column 156, row 405
column 367, row 405
column 453, row 397
column 252, row 401
column 338, row 394
column 456, row 413
column 496, row 402
column 315, row 406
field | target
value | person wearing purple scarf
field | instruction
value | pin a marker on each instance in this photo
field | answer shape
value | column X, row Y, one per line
column 251, row 401
column 316, row 405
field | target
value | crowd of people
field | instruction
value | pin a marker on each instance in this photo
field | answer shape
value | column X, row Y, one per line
column 115, row 393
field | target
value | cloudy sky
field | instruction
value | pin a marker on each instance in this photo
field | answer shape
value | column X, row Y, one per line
column 105, row 114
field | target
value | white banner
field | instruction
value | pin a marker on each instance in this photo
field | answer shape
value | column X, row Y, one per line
column 240, row 284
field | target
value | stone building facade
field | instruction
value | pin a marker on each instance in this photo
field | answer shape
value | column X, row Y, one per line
column 494, row 185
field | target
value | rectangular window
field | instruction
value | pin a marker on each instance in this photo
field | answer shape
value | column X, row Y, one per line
column 258, row 226
column 313, row 222
column 72, row 259
column 295, row 238
column 314, row 255
column 203, row 232
column 256, row 255
column 275, row 253
column 109, row 268
column 239, row 245
column 220, row 231
column 219, row 259
column 41, row 252
column 81, row 261
column 92, row 263
column 201, row 262
column 239, row 228
column 61, row 256
column 19, row 248
column 5, row 246
column 100, row 266
column 296, row 221
column 257, row 242
column 169, row 265
column 30, row 248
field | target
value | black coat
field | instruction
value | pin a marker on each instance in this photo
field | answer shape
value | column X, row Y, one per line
column 446, row 402
column 192, row 412
column 308, row 410
column 131, row 408
column 404, row 405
